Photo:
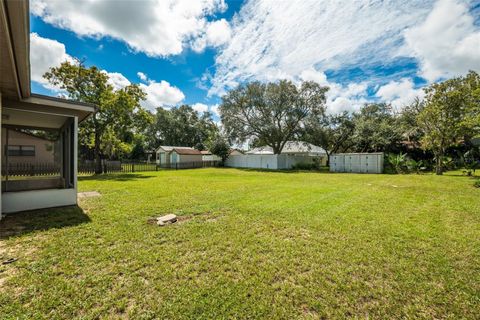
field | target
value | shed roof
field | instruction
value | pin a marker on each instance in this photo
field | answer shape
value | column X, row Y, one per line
column 170, row 148
column 189, row 151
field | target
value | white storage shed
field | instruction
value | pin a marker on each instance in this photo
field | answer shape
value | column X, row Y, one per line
column 357, row 162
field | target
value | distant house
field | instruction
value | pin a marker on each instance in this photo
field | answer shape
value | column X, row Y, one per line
column 236, row 152
column 293, row 148
column 208, row 156
column 293, row 154
column 26, row 148
column 170, row 156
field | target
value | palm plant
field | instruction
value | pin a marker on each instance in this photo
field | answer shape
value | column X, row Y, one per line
column 397, row 161
column 415, row 166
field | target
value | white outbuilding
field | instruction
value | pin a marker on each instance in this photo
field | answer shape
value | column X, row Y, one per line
column 172, row 157
column 357, row 162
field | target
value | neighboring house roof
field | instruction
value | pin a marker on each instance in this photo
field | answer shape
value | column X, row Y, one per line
column 186, row 151
column 206, row 152
column 170, row 148
column 291, row 147
column 236, row 151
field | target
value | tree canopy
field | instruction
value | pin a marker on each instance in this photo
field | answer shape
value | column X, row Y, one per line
column 273, row 113
column 450, row 112
column 119, row 112
column 182, row 126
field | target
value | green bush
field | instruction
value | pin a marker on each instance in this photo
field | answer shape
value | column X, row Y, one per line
column 416, row 166
column 476, row 184
column 305, row 166
column 398, row 162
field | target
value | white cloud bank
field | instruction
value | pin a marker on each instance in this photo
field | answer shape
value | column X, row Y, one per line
column 200, row 107
column 447, row 43
column 117, row 80
column 272, row 40
column 399, row 93
column 281, row 39
column 44, row 54
column 47, row 53
column 161, row 94
column 155, row 27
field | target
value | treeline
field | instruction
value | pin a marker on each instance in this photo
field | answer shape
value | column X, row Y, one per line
column 438, row 130
column 435, row 130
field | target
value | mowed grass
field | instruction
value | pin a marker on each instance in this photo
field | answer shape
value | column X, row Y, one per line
column 251, row 244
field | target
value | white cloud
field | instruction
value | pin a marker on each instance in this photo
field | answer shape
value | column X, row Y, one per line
column 155, row 27
column 117, row 80
column 44, row 54
column 161, row 94
column 142, row 76
column 447, row 43
column 216, row 34
column 280, row 39
column 200, row 107
column 215, row 110
column 340, row 98
column 399, row 93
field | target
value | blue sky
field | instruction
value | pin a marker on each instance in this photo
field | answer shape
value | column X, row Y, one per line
column 193, row 52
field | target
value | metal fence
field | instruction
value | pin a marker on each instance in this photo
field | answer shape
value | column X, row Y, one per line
column 88, row 167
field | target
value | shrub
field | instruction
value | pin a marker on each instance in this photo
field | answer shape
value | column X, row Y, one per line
column 416, row 166
column 398, row 162
column 305, row 166
column 476, row 184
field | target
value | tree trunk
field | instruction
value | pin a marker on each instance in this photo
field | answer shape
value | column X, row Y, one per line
column 96, row 152
column 439, row 164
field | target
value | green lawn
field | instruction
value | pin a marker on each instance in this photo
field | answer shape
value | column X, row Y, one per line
column 250, row 244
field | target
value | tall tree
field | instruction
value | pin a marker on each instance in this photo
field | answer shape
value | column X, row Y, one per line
column 219, row 146
column 272, row 113
column 182, row 126
column 333, row 133
column 450, row 113
column 375, row 128
column 117, row 110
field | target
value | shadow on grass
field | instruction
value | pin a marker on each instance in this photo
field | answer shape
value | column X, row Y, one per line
column 16, row 224
column 281, row 170
column 115, row 177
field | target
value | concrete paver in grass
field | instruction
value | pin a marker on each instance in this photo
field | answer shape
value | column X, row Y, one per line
column 88, row 194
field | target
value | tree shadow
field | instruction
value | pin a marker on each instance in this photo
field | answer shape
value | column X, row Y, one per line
column 17, row 224
column 115, row 177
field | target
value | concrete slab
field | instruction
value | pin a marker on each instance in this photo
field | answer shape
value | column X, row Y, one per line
column 88, row 194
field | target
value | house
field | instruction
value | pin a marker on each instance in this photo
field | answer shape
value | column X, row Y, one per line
column 235, row 152
column 173, row 157
column 293, row 148
column 294, row 154
column 208, row 156
column 27, row 148
column 22, row 111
